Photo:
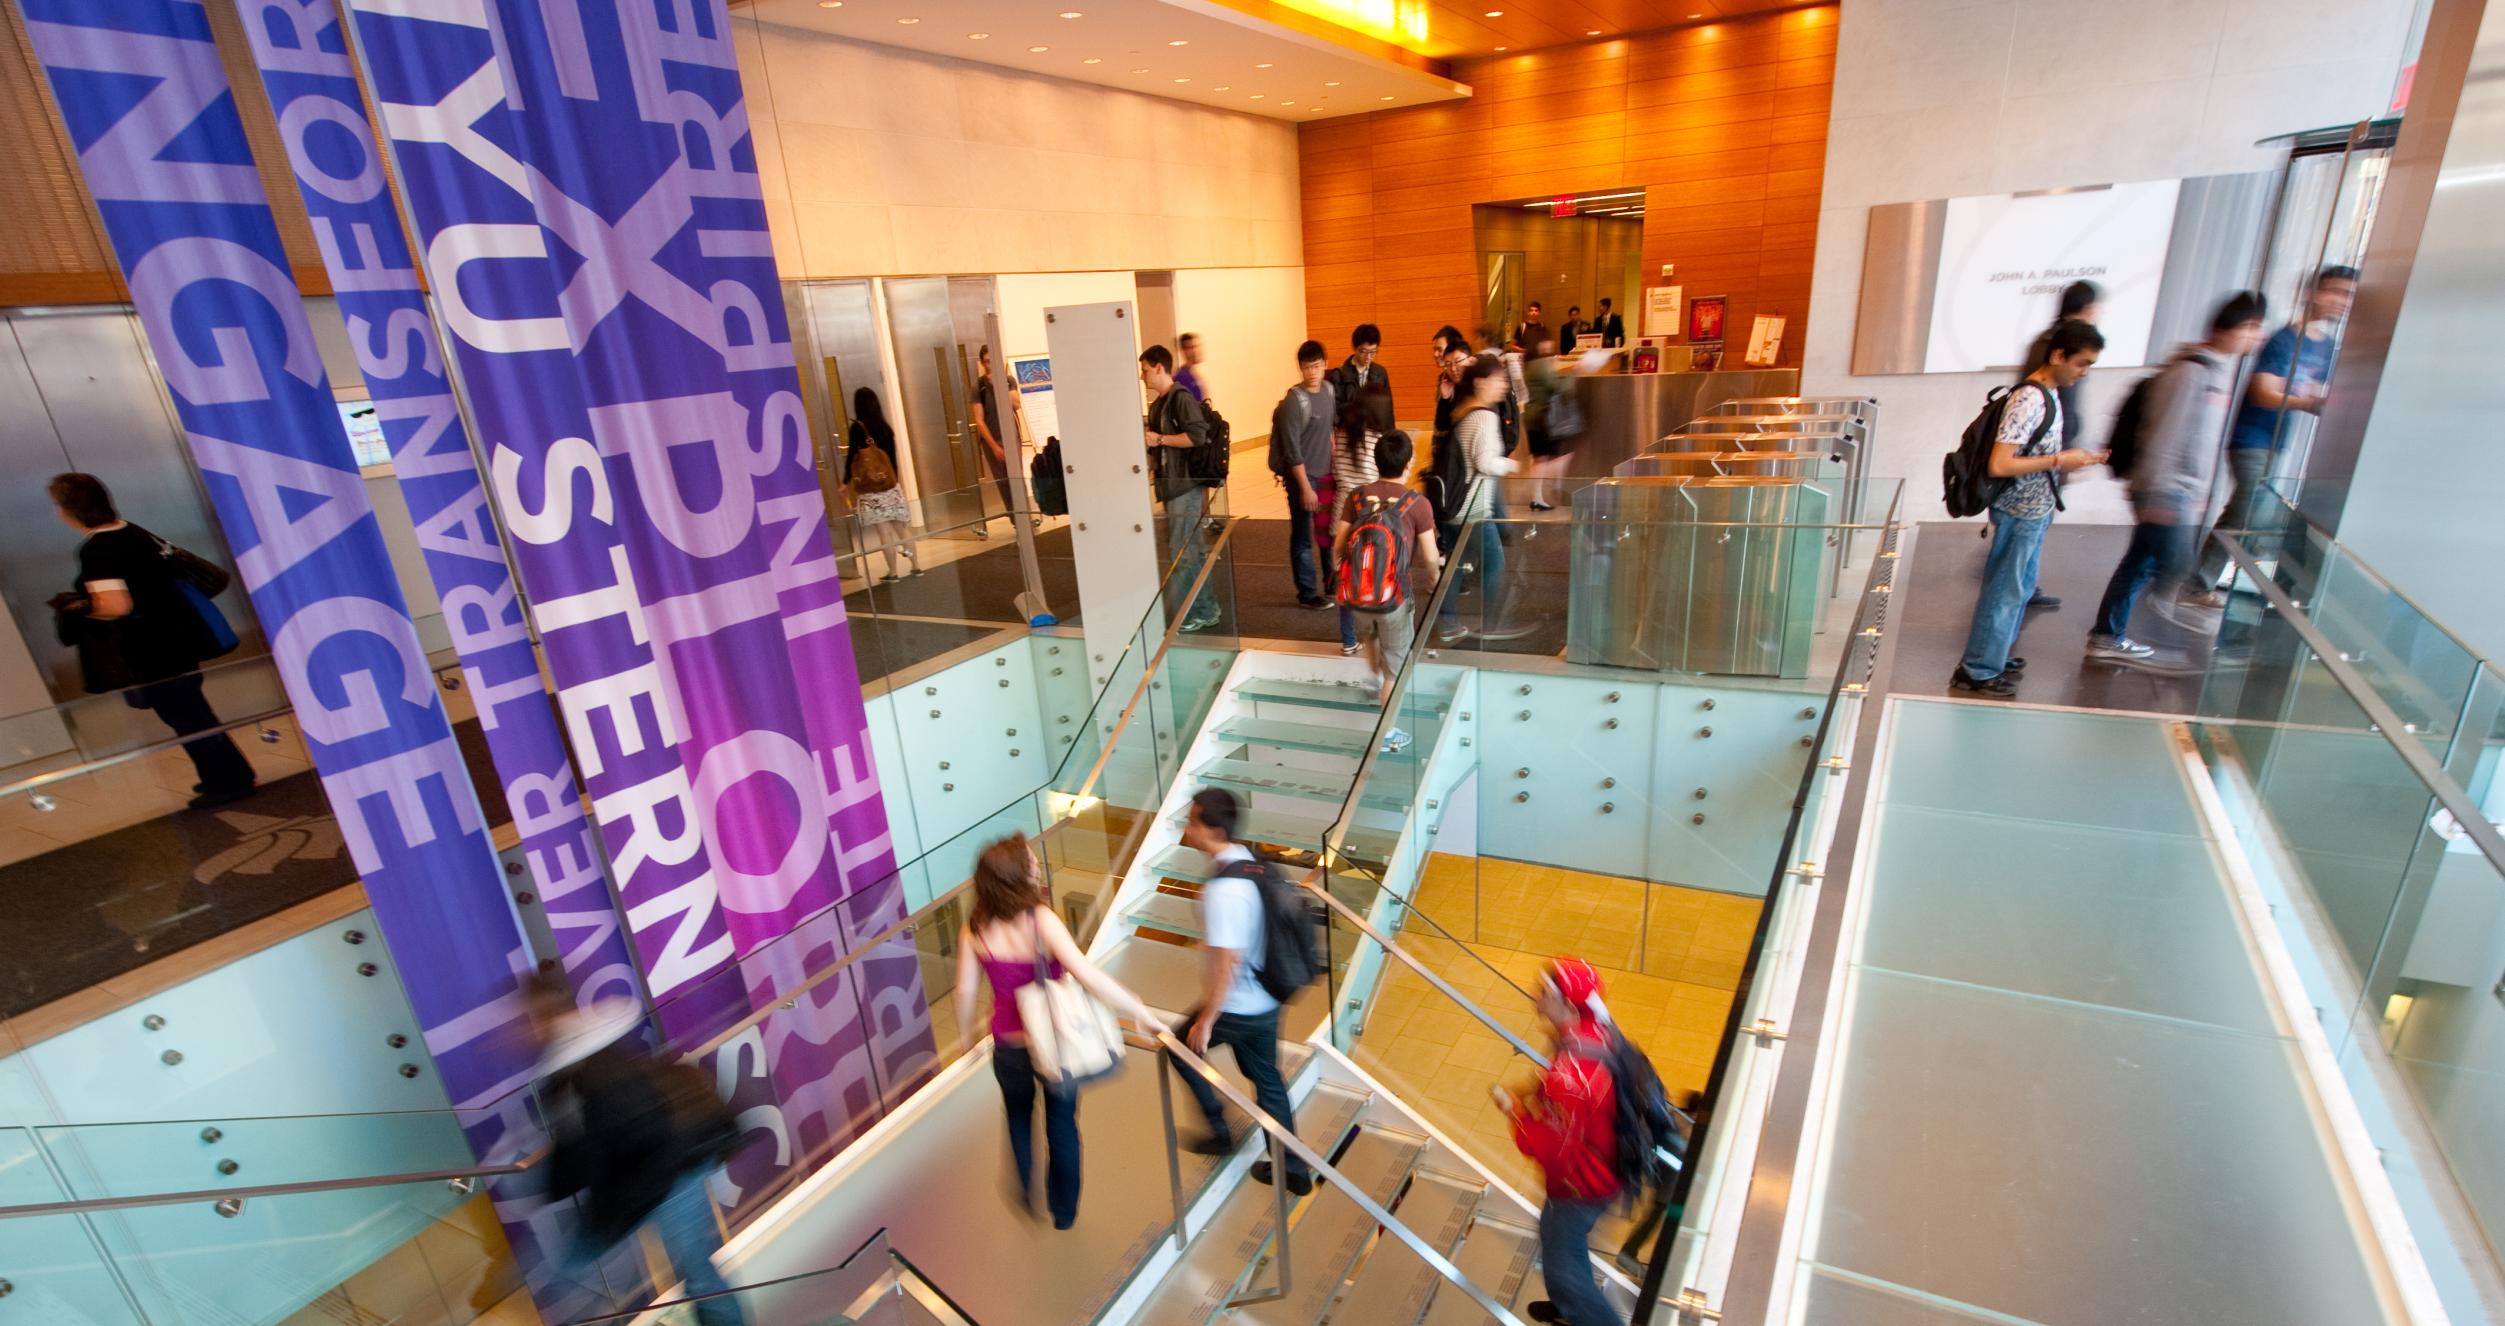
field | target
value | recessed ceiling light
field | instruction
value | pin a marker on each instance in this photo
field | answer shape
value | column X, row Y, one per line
column 1390, row 98
column 1695, row 16
column 908, row 22
column 1093, row 59
column 1330, row 85
column 1496, row 13
column 1591, row 32
column 1182, row 80
column 830, row 4
column 1139, row 71
column 1258, row 96
column 1037, row 50
column 1263, row 65
column 1178, row 43
column 1501, row 48
column 977, row 36
column 1222, row 88
column 1072, row 13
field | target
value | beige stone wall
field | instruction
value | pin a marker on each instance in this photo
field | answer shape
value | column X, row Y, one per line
column 878, row 161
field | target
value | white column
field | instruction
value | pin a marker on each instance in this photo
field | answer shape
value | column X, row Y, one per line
column 1095, row 386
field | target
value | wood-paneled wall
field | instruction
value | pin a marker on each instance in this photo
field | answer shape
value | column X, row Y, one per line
column 1723, row 125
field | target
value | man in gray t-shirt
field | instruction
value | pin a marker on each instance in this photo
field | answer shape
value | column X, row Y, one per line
column 1300, row 454
column 2026, row 450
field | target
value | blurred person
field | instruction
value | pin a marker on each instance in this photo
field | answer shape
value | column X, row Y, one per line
column 1609, row 327
column 1568, row 330
column 2080, row 302
column 1187, row 372
column 1493, row 347
column 1355, row 463
column 1360, row 369
column 1235, row 1010
column 2027, row 452
column 1478, row 443
column 1447, row 473
column 2292, row 373
column 1175, row 424
column 2183, row 414
column 137, row 631
column 637, row 1136
column 1552, row 423
column 1568, row 1125
column 1534, row 332
column 1386, row 519
column 1301, row 429
column 877, row 491
column 1011, row 939
column 1452, row 353
column 997, row 441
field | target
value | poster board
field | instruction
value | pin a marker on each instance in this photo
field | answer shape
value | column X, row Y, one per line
column 2004, row 259
column 1765, row 341
column 1033, row 374
column 1661, row 311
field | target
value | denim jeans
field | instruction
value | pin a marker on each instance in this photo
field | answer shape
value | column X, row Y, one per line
column 1019, row 1086
column 2250, row 467
column 1309, row 542
column 1254, row 1037
column 2162, row 553
column 2008, row 582
column 689, row 1238
column 1566, row 1261
column 1487, row 549
column 1186, row 512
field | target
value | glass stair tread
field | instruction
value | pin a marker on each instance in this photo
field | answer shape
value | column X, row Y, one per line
column 1305, row 833
column 1319, row 738
column 1495, row 1256
column 1200, row 1282
column 1287, row 780
column 1393, row 1287
column 1330, row 695
column 1332, row 1229
column 1167, row 976
column 1169, row 912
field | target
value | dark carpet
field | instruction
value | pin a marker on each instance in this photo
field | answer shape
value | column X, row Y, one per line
column 97, row 909
column 1256, row 591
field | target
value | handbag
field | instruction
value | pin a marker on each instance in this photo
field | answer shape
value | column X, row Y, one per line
column 1071, row 1037
column 200, row 581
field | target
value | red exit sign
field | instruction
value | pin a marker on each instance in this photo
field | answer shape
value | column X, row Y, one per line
column 1561, row 205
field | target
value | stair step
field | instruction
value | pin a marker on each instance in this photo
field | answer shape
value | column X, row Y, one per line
column 1320, row 738
column 1168, row 976
column 1172, row 913
column 1330, row 695
column 1304, row 833
column 1333, row 1229
column 1204, row 1278
column 1496, row 1256
column 1393, row 1287
column 1324, row 785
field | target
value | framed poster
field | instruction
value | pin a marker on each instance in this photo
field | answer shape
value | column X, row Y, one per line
column 1661, row 311
column 1646, row 359
column 1765, row 340
column 1704, row 356
column 1704, row 318
column 1033, row 374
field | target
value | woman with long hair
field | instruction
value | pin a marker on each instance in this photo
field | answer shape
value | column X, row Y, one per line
column 1364, row 419
column 1011, row 938
column 877, row 490
column 1479, row 435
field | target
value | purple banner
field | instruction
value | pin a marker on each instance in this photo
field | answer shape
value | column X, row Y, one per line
column 144, row 96
column 584, row 190
column 314, row 95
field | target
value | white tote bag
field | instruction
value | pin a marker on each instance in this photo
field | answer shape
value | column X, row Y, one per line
column 1071, row 1037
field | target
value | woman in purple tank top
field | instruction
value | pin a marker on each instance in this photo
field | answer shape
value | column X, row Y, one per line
column 1011, row 932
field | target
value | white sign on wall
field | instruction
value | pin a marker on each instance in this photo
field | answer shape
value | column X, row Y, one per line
column 2004, row 259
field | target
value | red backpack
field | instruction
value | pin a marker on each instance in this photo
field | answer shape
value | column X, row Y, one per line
column 1369, row 571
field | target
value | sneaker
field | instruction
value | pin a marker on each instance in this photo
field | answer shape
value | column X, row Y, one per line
column 1348, row 651
column 220, row 796
column 1627, row 1263
column 1317, row 603
column 1298, row 1182
column 1395, row 741
column 1210, row 1144
column 2044, row 601
column 2002, row 687
column 1540, row 1309
column 1445, row 635
column 2203, row 600
column 2116, row 649
column 1199, row 624
column 2170, row 663
column 2015, row 664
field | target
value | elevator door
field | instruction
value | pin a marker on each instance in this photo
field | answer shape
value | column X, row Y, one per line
column 835, row 338
column 944, row 459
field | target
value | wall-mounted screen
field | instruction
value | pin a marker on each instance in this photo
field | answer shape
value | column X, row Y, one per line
column 365, row 433
column 2004, row 259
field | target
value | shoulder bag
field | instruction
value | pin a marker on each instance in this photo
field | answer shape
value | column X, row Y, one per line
column 1071, row 1037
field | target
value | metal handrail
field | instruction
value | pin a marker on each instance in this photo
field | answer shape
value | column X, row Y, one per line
column 452, row 1176
column 1391, row 946
column 2389, row 724
column 1284, row 1141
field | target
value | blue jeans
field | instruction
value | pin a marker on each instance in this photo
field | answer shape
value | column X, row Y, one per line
column 1185, row 514
column 1019, row 1086
column 1308, row 562
column 1487, row 554
column 2008, row 582
column 689, row 1238
column 1566, row 1261
column 1254, row 1037
column 2162, row 553
column 2250, row 467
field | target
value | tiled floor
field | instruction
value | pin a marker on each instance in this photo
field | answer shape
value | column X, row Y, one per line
column 1669, row 960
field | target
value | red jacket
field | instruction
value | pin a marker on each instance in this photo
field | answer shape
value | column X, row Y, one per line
column 1571, row 1128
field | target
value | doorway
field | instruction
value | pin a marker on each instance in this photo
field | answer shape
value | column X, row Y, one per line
column 936, row 327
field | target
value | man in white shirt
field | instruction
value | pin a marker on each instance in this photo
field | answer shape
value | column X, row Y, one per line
column 1234, row 1010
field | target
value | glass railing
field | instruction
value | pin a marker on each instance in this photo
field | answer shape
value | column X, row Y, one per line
column 943, row 581
column 877, row 1285
column 2354, row 745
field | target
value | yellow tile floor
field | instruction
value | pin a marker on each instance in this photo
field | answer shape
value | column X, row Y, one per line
column 1669, row 960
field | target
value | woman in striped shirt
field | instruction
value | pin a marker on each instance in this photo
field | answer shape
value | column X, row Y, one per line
column 1363, row 420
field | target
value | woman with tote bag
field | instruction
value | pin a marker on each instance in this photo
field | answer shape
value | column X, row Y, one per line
column 1014, row 942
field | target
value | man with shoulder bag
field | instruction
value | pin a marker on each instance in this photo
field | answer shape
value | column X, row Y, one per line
column 1176, row 431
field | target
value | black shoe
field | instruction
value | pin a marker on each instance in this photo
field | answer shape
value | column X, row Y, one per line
column 1317, row 602
column 1540, row 1309
column 221, row 796
column 2047, row 602
column 1210, row 1144
column 2001, row 687
column 1298, row 1182
column 2015, row 664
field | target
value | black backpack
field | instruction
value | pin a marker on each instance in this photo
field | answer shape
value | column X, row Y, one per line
column 2124, row 442
column 1967, row 485
column 1207, row 463
column 1045, row 482
column 1291, row 954
column 1646, row 1126
column 1447, row 479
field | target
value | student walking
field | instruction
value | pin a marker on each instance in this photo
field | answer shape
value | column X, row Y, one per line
column 1236, row 1011
column 1568, row 1126
column 878, row 494
column 2292, row 374
column 2079, row 303
column 1174, row 426
column 1301, row 428
column 2182, row 414
column 1360, row 370
column 1379, row 524
column 1552, row 423
column 1011, row 939
column 999, row 441
column 1187, row 373
column 1363, row 424
column 2026, row 452
column 1478, row 442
